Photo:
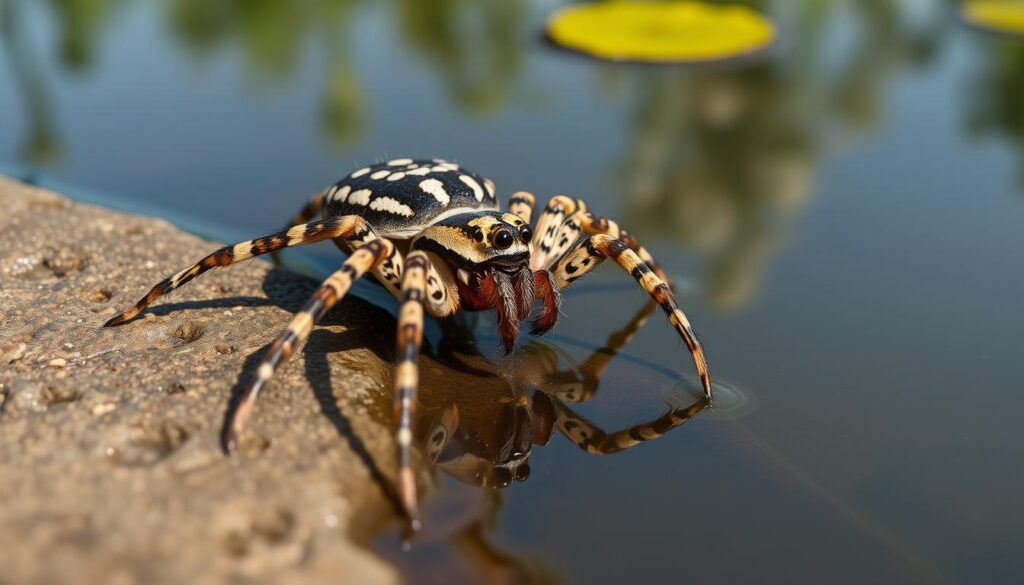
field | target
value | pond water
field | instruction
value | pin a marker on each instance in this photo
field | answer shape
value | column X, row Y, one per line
column 845, row 215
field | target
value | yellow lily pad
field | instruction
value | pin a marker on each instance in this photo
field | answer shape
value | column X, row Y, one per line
column 1002, row 16
column 670, row 32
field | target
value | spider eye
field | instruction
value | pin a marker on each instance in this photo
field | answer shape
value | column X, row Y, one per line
column 503, row 239
column 526, row 233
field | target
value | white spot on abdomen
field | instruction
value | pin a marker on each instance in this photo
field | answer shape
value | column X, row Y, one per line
column 448, row 166
column 435, row 188
column 397, row 176
column 489, row 185
column 360, row 172
column 478, row 191
column 360, row 197
column 391, row 206
column 341, row 194
column 380, row 174
column 419, row 172
column 399, row 162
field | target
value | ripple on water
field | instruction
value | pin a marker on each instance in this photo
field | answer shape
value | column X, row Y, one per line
column 730, row 402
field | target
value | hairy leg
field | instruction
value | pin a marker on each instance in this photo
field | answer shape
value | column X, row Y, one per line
column 522, row 203
column 592, row 224
column 442, row 297
column 330, row 292
column 562, row 223
column 594, row 250
column 545, row 241
column 409, row 339
column 306, row 233
column 308, row 212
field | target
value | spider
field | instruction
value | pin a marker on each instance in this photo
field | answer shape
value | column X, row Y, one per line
column 432, row 233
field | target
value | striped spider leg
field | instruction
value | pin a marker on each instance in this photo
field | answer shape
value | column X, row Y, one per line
column 593, row 439
column 562, row 223
column 367, row 257
column 311, row 209
column 522, row 203
column 307, row 233
column 593, row 250
column 408, row 341
column 349, row 231
column 559, row 250
column 414, row 298
column 556, row 387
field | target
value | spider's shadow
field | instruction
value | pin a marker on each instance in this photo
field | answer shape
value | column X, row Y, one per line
column 363, row 324
column 218, row 303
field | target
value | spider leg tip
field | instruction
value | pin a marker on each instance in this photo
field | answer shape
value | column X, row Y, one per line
column 115, row 321
column 412, row 526
column 229, row 443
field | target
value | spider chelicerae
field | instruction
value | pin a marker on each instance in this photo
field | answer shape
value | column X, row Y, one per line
column 432, row 233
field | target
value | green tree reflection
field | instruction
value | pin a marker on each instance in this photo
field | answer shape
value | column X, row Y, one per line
column 721, row 158
column 272, row 37
column 476, row 48
column 81, row 25
column 724, row 158
column 42, row 140
column 996, row 93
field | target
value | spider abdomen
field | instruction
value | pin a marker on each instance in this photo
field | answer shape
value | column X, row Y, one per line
column 401, row 197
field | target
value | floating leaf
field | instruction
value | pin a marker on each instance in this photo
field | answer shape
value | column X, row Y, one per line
column 674, row 32
column 1002, row 16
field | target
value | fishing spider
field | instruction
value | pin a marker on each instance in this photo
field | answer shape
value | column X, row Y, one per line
column 433, row 235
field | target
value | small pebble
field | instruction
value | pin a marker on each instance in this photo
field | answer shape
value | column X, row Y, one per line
column 101, row 409
column 58, row 363
column 12, row 353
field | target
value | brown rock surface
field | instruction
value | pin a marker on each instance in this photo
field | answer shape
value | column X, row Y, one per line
column 110, row 470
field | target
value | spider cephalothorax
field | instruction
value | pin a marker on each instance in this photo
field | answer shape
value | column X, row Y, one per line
column 463, row 254
column 490, row 254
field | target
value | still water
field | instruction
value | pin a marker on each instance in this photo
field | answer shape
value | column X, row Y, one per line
column 846, row 216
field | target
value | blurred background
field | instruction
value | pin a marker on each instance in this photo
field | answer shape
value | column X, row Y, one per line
column 845, row 214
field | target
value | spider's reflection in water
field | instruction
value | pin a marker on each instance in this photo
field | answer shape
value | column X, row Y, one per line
column 482, row 433
column 478, row 422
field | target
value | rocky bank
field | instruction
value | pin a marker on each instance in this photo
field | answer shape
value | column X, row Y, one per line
column 110, row 468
